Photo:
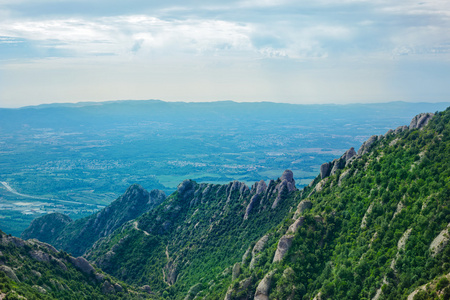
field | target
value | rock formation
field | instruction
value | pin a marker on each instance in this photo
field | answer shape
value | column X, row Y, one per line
column 283, row 246
column 287, row 184
column 331, row 168
column 420, row 120
column 258, row 188
column 262, row 291
column 438, row 244
column 365, row 147
column 259, row 246
column 301, row 207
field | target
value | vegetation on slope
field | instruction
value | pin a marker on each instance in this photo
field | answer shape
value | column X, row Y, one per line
column 34, row 270
column 377, row 229
column 194, row 235
column 77, row 236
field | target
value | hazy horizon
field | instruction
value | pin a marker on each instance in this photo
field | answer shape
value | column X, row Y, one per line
column 81, row 103
column 275, row 50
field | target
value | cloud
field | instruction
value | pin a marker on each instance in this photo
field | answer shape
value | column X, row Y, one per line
column 257, row 49
column 136, row 32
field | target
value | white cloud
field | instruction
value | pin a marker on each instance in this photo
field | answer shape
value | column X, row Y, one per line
column 119, row 34
column 241, row 50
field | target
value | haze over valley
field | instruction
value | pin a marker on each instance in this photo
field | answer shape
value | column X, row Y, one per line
column 77, row 158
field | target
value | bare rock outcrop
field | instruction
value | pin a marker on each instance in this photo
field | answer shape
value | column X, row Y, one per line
column 366, row 215
column 283, row 246
column 246, row 255
column 40, row 255
column 420, row 120
column 262, row 291
column 258, row 188
column 301, row 207
column 10, row 273
column 146, row 289
column 339, row 164
column 400, row 129
column 325, row 169
column 82, row 264
column 242, row 287
column 259, row 246
column 330, row 168
column 170, row 272
column 365, row 147
column 439, row 243
column 236, row 271
column 287, row 184
column 241, row 187
column 107, row 288
column 186, row 188
column 296, row 225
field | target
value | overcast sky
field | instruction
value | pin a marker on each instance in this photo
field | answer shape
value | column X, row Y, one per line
column 321, row 51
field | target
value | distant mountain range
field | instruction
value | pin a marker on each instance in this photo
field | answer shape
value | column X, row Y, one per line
column 373, row 224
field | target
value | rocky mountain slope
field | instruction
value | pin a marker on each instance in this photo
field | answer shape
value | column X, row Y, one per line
column 194, row 234
column 374, row 224
column 35, row 270
column 375, row 227
column 77, row 236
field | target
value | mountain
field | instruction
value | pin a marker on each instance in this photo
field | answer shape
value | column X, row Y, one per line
column 35, row 270
column 77, row 236
column 196, row 233
column 374, row 224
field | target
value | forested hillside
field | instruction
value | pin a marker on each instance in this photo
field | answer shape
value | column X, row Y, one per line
column 195, row 234
column 79, row 235
column 372, row 225
column 35, row 270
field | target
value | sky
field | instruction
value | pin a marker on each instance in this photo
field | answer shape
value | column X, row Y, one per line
column 321, row 51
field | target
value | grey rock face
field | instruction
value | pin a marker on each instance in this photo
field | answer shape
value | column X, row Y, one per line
column 146, row 289
column 82, row 264
column 283, row 246
column 44, row 245
column 40, row 255
column 400, row 129
column 10, row 273
column 241, row 187
column 186, row 188
column 439, row 242
column 259, row 246
column 107, row 288
column 243, row 286
column 330, row 168
column 325, row 169
column 420, row 120
column 301, row 207
column 236, row 271
column 296, row 225
column 246, row 256
column 349, row 153
column 262, row 291
column 287, row 183
column 390, row 131
column 365, row 147
column 258, row 188
column 171, row 272
column 261, row 187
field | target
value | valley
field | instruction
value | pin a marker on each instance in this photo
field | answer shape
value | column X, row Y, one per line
column 90, row 153
column 373, row 224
